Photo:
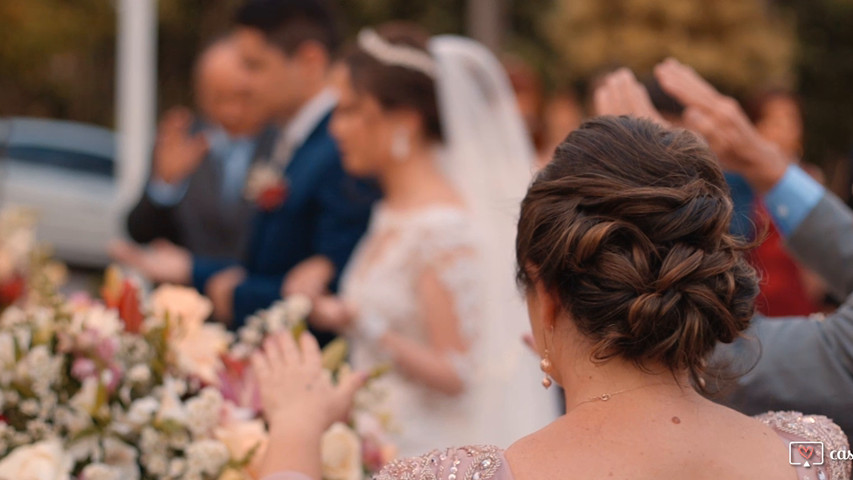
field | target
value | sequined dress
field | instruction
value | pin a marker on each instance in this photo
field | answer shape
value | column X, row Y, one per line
column 489, row 463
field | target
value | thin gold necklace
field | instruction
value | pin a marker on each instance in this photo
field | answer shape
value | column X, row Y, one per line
column 607, row 396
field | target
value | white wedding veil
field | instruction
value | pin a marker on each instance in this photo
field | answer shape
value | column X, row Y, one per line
column 489, row 157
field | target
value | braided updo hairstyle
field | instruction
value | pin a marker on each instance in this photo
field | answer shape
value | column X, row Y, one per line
column 629, row 227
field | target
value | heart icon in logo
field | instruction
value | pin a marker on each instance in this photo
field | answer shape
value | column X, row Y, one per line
column 806, row 451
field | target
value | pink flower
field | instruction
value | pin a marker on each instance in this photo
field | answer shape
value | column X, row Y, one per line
column 238, row 384
column 197, row 347
column 82, row 368
column 241, row 434
column 184, row 307
column 107, row 348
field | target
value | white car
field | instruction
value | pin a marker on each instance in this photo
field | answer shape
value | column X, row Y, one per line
column 67, row 172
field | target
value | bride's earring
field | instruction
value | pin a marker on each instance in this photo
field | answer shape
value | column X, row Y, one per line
column 400, row 147
column 545, row 366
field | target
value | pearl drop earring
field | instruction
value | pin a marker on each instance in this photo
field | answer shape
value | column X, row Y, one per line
column 400, row 147
column 545, row 366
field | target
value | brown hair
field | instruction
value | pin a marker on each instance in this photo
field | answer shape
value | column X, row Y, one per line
column 397, row 87
column 629, row 226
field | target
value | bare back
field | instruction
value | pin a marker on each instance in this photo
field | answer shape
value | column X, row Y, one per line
column 665, row 438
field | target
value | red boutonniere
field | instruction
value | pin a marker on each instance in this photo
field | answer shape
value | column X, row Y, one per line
column 11, row 290
column 266, row 186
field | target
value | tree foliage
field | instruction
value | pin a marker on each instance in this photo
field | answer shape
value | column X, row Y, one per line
column 736, row 43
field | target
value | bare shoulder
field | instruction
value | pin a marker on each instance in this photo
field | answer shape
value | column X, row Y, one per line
column 475, row 462
column 653, row 441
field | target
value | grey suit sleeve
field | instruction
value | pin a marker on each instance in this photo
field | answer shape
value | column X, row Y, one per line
column 797, row 363
column 824, row 243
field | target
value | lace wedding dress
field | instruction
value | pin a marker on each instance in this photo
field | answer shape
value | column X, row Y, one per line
column 382, row 282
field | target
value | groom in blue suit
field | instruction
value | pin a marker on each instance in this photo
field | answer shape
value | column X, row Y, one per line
column 310, row 213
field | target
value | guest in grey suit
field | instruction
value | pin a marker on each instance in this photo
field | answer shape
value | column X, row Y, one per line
column 798, row 363
column 194, row 198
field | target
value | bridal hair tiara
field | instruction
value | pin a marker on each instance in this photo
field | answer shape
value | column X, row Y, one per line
column 396, row 55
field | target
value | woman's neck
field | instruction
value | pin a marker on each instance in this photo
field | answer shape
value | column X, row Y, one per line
column 410, row 182
column 586, row 382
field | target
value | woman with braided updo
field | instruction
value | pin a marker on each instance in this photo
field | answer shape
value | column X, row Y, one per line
column 631, row 278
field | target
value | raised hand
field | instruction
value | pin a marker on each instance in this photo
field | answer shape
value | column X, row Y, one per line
column 220, row 290
column 621, row 94
column 177, row 153
column 311, row 277
column 299, row 401
column 161, row 262
column 724, row 125
column 296, row 391
column 332, row 314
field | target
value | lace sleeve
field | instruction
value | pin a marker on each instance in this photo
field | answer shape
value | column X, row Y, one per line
column 451, row 252
column 467, row 463
column 811, row 438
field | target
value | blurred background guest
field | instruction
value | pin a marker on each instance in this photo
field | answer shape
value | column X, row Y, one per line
column 194, row 197
column 309, row 213
column 562, row 113
column 787, row 288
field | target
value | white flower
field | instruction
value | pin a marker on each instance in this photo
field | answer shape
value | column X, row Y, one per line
column 29, row 407
column 100, row 471
column 179, row 440
column 42, row 461
column 151, row 441
column 155, row 464
column 12, row 316
column 341, row 452
column 23, row 336
column 40, row 369
column 242, row 436
column 203, row 412
column 206, row 457
column 75, row 421
column 171, row 408
column 87, row 397
column 139, row 374
column 251, row 335
column 298, row 306
column 177, row 467
column 97, row 318
column 11, row 397
column 142, row 411
column 121, row 457
column 86, row 449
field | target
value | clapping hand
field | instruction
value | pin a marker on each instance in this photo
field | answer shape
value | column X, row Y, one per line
column 724, row 125
column 177, row 153
column 621, row 94
column 300, row 401
column 714, row 116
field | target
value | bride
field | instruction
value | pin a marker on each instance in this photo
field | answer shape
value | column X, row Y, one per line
column 632, row 278
column 434, row 121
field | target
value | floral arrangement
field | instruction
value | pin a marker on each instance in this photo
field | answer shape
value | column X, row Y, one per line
column 132, row 387
column 17, row 244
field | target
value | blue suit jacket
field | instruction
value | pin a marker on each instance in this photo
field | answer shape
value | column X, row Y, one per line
column 325, row 213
